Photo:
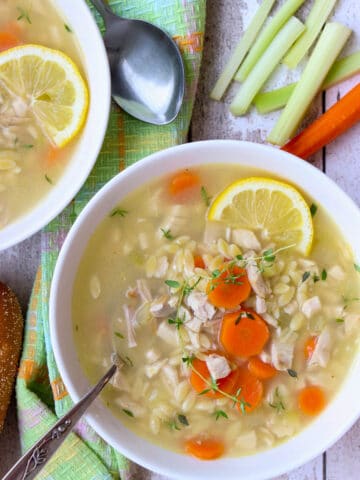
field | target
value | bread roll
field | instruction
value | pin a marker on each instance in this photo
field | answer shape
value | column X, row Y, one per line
column 11, row 330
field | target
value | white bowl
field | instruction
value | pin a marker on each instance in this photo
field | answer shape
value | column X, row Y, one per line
column 97, row 71
column 319, row 435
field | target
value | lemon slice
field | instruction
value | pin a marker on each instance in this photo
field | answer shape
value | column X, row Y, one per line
column 48, row 84
column 275, row 209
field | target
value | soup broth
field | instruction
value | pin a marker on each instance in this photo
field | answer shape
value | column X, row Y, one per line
column 30, row 165
column 143, row 288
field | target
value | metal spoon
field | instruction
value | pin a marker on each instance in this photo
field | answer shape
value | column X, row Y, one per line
column 34, row 459
column 147, row 71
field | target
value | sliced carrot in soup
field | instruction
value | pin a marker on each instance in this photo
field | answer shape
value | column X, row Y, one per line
column 8, row 40
column 204, row 448
column 251, row 390
column 182, row 182
column 230, row 288
column 226, row 384
column 244, row 333
column 312, row 400
column 260, row 369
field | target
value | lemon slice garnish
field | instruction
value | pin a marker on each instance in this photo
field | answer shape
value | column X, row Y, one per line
column 48, row 84
column 275, row 209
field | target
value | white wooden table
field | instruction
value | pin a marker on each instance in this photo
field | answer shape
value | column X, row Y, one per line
column 225, row 21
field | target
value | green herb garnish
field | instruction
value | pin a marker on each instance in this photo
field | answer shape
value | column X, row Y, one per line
column 24, row 15
column 313, row 209
column 220, row 413
column 339, row 320
column 67, row 28
column 48, row 179
column 292, row 373
column 129, row 413
column 172, row 283
column 183, row 420
column 305, row 276
column 167, row 234
column 277, row 404
column 172, row 425
column 118, row 334
column 323, row 275
column 316, row 278
column 357, row 267
column 205, row 196
column 118, row 212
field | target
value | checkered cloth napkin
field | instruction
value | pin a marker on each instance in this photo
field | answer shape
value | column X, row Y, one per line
column 41, row 394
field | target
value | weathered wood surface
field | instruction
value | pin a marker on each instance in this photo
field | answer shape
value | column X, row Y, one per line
column 225, row 22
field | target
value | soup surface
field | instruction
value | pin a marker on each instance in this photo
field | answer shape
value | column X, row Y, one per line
column 229, row 342
column 30, row 162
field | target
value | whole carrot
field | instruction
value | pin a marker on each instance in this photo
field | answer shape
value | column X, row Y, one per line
column 339, row 118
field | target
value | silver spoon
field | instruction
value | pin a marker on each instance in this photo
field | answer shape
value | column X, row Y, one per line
column 34, row 459
column 147, row 71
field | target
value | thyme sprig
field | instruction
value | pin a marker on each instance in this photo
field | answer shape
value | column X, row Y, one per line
column 278, row 403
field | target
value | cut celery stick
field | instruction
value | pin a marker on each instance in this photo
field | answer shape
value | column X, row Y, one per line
column 314, row 24
column 266, row 36
column 342, row 69
column 266, row 65
column 328, row 47
column 241, row 49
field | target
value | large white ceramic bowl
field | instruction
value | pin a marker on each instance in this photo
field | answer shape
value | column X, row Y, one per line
column 97, row 72
column 317, row 437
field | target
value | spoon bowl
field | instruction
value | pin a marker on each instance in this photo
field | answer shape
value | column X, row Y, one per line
column 147, row 70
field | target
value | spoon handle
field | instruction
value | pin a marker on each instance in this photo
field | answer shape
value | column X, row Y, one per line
column 34, row 459
column 103, row 8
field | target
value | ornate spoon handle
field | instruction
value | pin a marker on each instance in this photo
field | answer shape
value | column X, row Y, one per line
column 34, row 459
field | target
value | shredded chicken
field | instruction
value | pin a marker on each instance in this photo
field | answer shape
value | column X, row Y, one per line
column 311, row 306
column 254, row 275
column 260, row 305
column 167, row 333
column 245, row 239
column 154, row 368
column 218, row 366
column 321, row 353
column 282, row 351
column 161, row 308
column 130, row 323
column 194, row 324
column 143, row 290
column 198, row 302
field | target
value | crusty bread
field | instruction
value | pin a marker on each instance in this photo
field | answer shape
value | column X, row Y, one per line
column 11, row 330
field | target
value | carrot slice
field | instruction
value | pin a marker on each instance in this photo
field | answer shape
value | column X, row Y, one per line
column 182, row 182
column 244, row 333
column 8, row 40
column 309, row 347
column 339, row 118
column 226, row 384
column 311, row 400
column 204, row 448
column 198, row 261
column 260, row 369
column 252, row 390
column 230, row 288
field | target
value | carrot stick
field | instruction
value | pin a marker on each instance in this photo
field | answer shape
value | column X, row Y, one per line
column 226, row 384
column 244, row 333
column 339, row 118
column 311, row 400
column 260, row 369
column 205, row 449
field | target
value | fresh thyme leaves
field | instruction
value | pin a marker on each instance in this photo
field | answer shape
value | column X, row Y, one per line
column 242, row 315
column 118, row 334
column 24, row 15
column 205, row 196
column 188, row 360
column 357, row 267
column 178, row 322
column 216, row 273
column 268, row 255
column 172, row 283
column 173, row 425
column 323, row 275
column 316, row 278
column 339, row 320
column 48, row 179
column 305, row 276
column 189, row 288
column 220, row 413
column 167, row 234
column 292, row 373
column 183, row 420
column 129, row 413
column 126, row 361
column 118, row 212
column 67, row 28
column 348, row 300
column 28, row 146
column 277, row 404
column 313, row 209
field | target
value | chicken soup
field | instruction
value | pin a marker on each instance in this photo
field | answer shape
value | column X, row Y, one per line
column 233, row 308
column 43, row 102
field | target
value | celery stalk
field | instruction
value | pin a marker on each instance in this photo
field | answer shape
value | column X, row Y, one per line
column 241, row 49
column 266, row 65
column 314, row 24
column 342, row 69
column 266, row 36
column 328, row 47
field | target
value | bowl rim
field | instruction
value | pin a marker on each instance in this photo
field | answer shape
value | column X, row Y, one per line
column 38, row 217
column 285, row 463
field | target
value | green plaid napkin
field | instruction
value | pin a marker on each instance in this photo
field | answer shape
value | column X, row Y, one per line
column 41, row 395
